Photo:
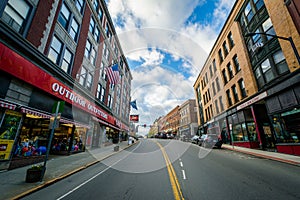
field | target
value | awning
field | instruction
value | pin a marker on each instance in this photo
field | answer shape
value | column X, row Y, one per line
column 67, row 121
column 99, row 120
column 35, row 112
column 105, row 123
column 7, row 105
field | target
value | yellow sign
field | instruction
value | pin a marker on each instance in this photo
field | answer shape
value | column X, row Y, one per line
column 5, row 149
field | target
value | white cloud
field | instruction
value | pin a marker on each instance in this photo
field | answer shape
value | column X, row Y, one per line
column 149, row 28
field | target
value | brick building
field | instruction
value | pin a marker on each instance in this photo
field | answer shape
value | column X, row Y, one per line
column 58, row 51
column 248, row 88
column 188, row 125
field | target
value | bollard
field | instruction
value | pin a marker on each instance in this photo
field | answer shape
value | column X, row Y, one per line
column 116, row 148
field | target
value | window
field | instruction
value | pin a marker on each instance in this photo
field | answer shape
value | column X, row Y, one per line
column 102, row 95
column 92, row 25
column 64, row 16
column 258, row 4
column 280, row 62
column 224, row 76
column 98, row 91
column 89, row 81
column 85, row 78
column 97, row 34
column 74, row 29
column 229, row 68
column 229, row 97
column 220, row 55
column 67, row 61
column 235, row 94
column 55, row 50
column 88, row 49
column 218, row 84
column 221, row 103
column 217, row 106
column 210, row 71
column 214, row 89
column 79, row 5
column 230, row 39
column 93, row 56
column 225, row 49
column 236, row 64
column 67, row 21
column 82, row 77
column 107, row 54
column 109, row 101
column 249, row 12
column 107, row 31
column 267, row 71
column 60, row 55
column 268, row 28
column 96, row 5
column 214, row 65
column 259, row 78
column 90, row 52
column 242, row 88
column 16, row 14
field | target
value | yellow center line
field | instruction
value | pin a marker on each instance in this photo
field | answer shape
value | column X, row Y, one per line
column 172, row 175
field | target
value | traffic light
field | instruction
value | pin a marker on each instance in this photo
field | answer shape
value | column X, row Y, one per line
column 145, row 125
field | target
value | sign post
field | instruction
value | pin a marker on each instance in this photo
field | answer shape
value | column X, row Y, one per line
column 57, row 107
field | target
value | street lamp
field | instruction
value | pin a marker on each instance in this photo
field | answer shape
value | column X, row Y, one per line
column 280, row 37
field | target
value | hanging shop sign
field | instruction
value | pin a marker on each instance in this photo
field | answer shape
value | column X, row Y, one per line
column 134, row 118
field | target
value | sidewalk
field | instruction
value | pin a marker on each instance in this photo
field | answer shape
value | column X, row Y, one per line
column 281, row 157
column 58, row 167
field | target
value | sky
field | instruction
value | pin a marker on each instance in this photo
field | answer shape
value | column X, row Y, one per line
column 166, row 43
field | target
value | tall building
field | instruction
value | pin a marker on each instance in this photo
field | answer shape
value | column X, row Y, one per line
column 169, row 124
column 248, row 89
column 188, row 125
column 60, row 52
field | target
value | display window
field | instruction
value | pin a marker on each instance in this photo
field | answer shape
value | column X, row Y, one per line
column 10, row 122
column 68, row 138
column 286, row 127
column 33, row 138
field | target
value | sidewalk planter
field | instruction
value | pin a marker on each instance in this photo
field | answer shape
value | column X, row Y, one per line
column 34, row 174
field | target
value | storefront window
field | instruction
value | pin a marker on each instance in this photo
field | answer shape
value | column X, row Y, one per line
column 8, row 131
column 237, row 133
column 286, row 127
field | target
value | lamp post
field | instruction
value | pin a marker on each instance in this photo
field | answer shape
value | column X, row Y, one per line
column 279, row 37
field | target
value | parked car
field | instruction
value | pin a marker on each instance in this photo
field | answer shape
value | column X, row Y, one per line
column 195, row 139
column 210, row 141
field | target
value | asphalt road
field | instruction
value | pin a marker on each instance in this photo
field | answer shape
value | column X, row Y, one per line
column 170, row 169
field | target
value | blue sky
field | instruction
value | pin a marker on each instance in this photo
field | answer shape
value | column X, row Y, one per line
column 166, row 43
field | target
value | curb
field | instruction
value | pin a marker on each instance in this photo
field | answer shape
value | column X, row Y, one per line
column 291, row 162
column 50, row 182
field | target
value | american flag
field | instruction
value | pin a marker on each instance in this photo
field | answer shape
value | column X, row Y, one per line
column 113, row 74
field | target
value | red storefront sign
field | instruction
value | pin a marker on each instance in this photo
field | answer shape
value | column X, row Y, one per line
column 14, row 64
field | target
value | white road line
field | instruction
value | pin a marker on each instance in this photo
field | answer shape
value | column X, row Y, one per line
column 85, row 182
column 181, row 164
column 183, row 174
